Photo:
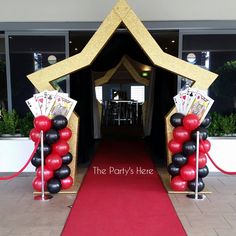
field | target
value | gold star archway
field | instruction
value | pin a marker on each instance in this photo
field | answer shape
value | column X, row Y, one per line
column 121, row 13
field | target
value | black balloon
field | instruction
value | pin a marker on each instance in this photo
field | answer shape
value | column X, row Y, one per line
column 173, row 170
column 189, row 148
column 36, row 160
column 207, row 121
column 54, row 185
column 67, row 159
column 59, row 122
column 63, row 172
column 52, row 136
column 203, row 172
column 203, row 133
column 179, row 159
column 176, row 119
column 192, row 185
column 46, row 149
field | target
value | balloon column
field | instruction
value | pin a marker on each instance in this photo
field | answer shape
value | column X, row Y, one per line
column 56, row 152
column 183, row 148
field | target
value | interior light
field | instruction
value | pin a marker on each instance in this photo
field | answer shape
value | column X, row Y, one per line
column 173, row 41
column 52, row 59
column 146, row 68
column 191, row 57
column 166, row 48
column 76, row 49
column 70, row 41
column 144, row 74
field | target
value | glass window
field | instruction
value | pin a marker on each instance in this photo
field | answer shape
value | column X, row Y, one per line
column 138, row 93
column 216, row 53
column 98, row 91
column 3, row 81
column 27, row 55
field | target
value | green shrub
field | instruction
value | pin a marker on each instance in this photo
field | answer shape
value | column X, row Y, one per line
column 9, row 122
column 222, row 125
column 26, row 124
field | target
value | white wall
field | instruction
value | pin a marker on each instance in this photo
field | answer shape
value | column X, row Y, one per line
column 14, row 154
column 223, row 153
column 96, row 10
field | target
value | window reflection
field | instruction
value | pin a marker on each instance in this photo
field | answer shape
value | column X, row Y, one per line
column 3, row 82
column 216, row 53
column 27, row 55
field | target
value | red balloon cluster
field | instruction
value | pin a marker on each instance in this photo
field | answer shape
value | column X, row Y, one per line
column 183, row 149
column 56, row 170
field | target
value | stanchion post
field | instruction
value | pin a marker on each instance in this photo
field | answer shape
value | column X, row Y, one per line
column 197, row 158
column 196, row 196
column 42, row 197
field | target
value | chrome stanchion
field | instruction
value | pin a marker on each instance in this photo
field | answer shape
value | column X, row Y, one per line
column 43, row 196
column 196, row 196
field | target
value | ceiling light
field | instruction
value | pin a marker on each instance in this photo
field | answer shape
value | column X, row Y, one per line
column 70, row 41
column 172, row 41
column 166, row 48
column 76, row 49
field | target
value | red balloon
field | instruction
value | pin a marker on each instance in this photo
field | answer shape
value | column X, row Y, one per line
column 61, row 148
column 175, row 146
column 34, row 135
column 42, row 123
column 191, row 122
column 65, row 133
column 202, row 160
column 37, row 184
column 178, row 184
column 181, row 134
column 67, row 182
column 53, row 161
column 48, row 174
column 188, row 173
column 205, row 146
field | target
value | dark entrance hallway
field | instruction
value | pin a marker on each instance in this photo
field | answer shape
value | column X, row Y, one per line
column 82, row 85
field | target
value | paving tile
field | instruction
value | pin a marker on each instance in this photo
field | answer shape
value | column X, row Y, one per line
column 225, row 232
column 208, row 221
column 231, row 219
column 5, row 231
column 200, row 232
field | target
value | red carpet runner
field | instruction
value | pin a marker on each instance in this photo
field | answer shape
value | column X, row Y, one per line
column 122, row 195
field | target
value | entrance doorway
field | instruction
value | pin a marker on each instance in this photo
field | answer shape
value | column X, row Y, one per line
column 83, row 89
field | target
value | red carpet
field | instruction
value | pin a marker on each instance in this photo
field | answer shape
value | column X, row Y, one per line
column 121, row 203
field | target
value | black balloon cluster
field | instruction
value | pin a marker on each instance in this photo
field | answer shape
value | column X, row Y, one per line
column 56, row 154
column 183, row 148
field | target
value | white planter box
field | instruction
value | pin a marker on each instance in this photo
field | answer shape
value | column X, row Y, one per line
column 14, row 153
column 223, row 153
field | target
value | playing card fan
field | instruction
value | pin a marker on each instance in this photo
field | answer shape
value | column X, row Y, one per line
column 51, row 103
column 193, row 101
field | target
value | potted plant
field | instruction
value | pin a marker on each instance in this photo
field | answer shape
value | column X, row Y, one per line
column 15, row 145
column 222, row 135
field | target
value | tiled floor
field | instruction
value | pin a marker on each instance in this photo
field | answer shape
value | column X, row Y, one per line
column 216, row 214
column 21, row 215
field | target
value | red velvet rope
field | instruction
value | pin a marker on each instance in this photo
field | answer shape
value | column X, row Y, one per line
column 223, row 171
column 26, row 164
